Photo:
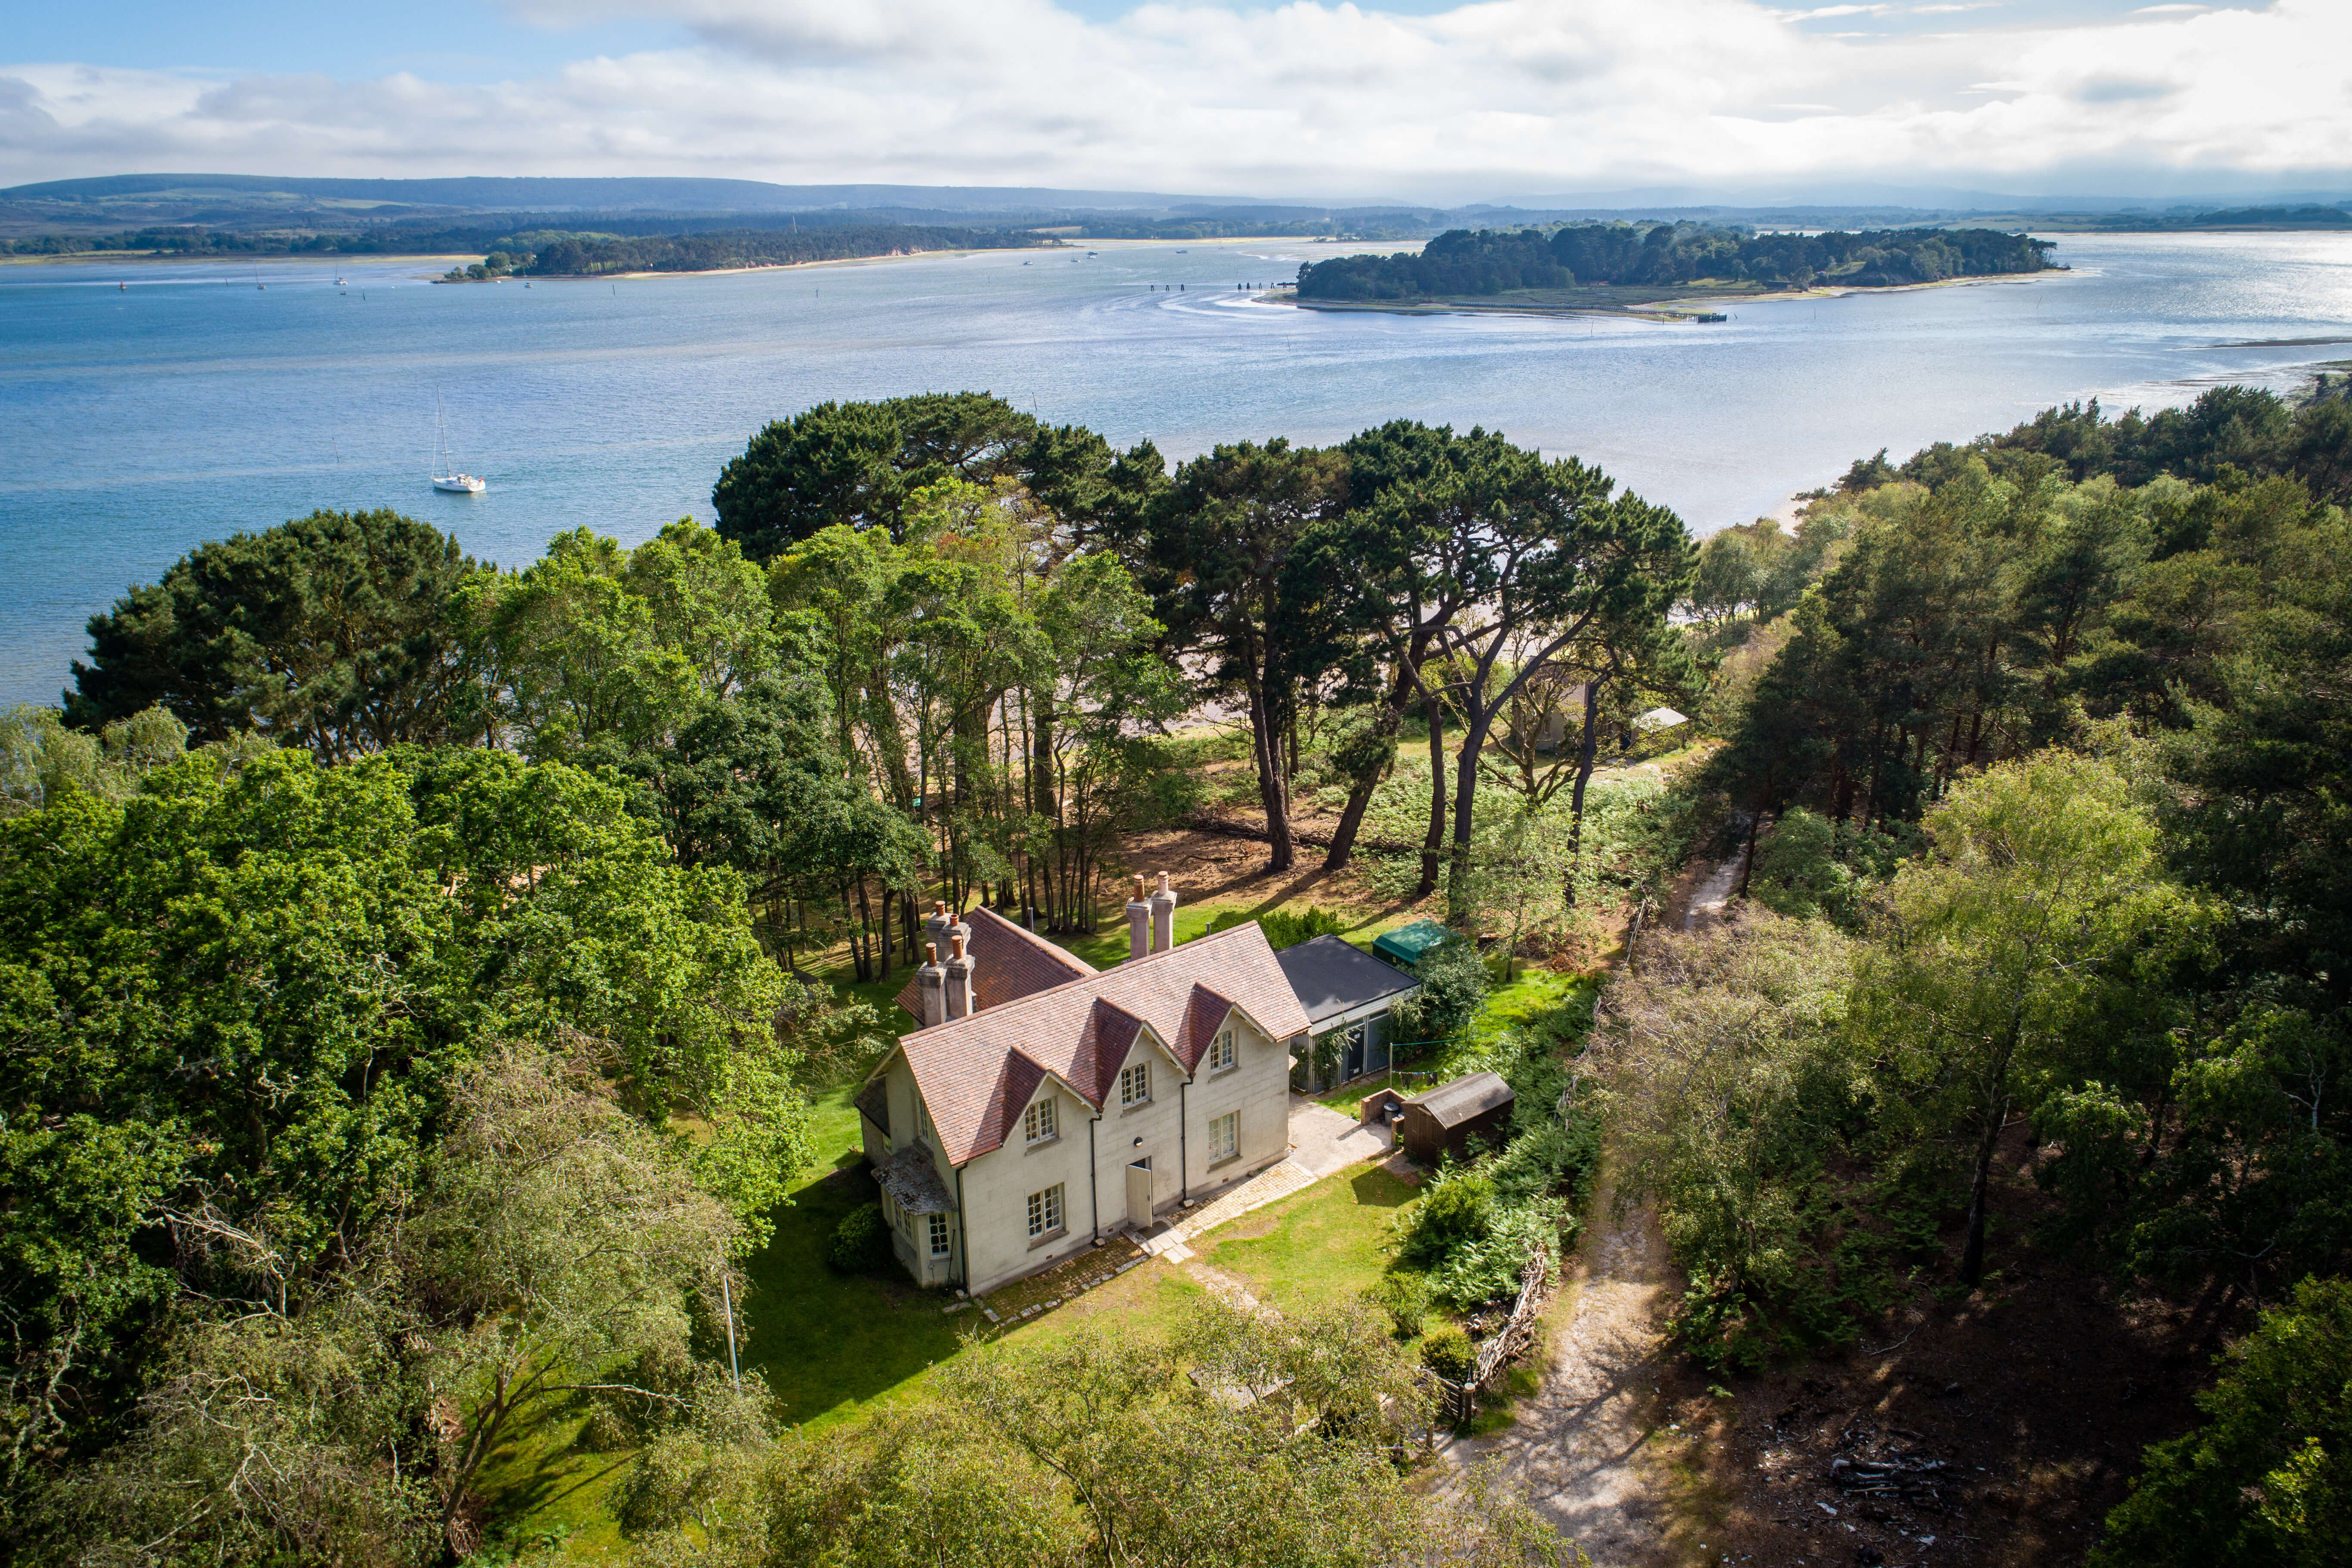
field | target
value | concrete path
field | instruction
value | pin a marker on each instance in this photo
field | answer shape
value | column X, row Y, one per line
column 1324, row 1141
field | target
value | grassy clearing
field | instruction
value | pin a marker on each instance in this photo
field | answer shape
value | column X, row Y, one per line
column 1317, row 1248
column 830, row 1344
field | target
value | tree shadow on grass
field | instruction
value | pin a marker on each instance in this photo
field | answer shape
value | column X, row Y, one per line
column 823, row 1339
column 1376, row 1189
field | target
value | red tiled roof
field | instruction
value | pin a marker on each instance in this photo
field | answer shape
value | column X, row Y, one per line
column 1008, row 963
column 977, row 1074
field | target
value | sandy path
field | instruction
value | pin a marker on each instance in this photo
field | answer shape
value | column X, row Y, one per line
column 1577, row 1451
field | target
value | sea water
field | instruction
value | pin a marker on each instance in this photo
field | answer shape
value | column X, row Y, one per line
column 205, row 399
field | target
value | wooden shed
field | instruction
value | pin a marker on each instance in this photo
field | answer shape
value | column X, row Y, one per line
column 1443, row 1121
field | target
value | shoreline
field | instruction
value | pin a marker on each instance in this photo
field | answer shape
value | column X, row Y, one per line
column 348, row 258
column 1686, row 309
column 225, row 258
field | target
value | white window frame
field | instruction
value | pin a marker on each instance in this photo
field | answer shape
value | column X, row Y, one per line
column 1224, row 1051
column 1134, row 1085
column 939, row 1235
column 1047, row 1213
column 1041, row 1123
column 923, row 1128
column 1224, row 1136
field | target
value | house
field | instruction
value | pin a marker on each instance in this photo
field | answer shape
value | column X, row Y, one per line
column 1443, row 1121
column 1347, row 993
column 1042, row 1105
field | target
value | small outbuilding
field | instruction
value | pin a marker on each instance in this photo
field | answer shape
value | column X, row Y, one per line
column 1443, row 1121
column 1406, row 945
column 1347, row 993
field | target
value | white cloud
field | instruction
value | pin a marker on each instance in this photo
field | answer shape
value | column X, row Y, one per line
column 1505, row 95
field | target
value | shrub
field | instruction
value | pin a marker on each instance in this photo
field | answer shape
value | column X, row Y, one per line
column 2268, row 1479
column 1487, row 1267
column 1405, row 1298
column 1549, row 1160
column 1446, row 1351
column 1453, row 988
column 861, row 1241
column 1284, row 928
column 1457, row 1208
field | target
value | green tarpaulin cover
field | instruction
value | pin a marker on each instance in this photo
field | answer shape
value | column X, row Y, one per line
column 1406, row 943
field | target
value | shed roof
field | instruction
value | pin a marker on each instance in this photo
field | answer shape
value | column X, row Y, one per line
column 1407, row 943
column 1334, row 977
column 1457, row 1102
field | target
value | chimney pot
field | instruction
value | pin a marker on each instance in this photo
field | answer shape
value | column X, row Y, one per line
column 1139, row 924
column 931, row 987
column 961, row 1001
column 1163, row 916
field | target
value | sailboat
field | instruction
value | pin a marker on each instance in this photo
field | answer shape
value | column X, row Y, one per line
column 445, row 476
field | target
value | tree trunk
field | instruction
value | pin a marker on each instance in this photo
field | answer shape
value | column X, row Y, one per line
column 1360, row 797
column 1972, row 1253
column 1435, row 710
column 1586, row 753
column 1747, row 869
column 1265, row 741
column 1466, row 803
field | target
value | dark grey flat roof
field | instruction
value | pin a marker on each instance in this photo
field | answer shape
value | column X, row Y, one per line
column 1333, row 976
column 1455, row 1103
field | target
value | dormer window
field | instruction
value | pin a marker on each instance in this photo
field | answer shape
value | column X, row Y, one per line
column 1038, row 1124
column 1135, row 1084
column 1225, row 1050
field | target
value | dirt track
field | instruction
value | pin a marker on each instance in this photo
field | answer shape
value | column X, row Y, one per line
column 1582, row 1449
column 1577, row 1451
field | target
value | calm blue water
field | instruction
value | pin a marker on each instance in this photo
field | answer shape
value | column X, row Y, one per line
column 140, row 422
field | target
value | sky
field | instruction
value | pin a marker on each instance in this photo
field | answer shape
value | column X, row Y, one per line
column 1417, row 100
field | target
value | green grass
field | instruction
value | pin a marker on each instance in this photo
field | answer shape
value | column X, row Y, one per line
column 1317, row 1248
column 832, row 1345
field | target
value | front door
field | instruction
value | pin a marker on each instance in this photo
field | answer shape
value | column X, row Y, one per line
column 1139, row 1193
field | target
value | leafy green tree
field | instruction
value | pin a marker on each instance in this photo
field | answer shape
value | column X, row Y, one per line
column 856, row 465
column 338, row 631
column 237, row 1002
column 2266, row 1482
column 1729, row 1085
column 1454, row 985
column 594, row 647
column 2020, row 934
column 1220, row 542
column 554, row 1250
column 1385, row 581
column 40, row 759
column 1552, row 556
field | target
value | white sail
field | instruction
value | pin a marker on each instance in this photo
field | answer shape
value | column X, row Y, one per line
column 445, row 474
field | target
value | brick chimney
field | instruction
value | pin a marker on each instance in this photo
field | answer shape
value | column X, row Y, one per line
column 931, row 986
column 1138, row 923
column 960, row 968
column 940, row 929
column 1163, row 916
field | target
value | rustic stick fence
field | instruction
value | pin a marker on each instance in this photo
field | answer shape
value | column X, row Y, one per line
column 1521, row 1333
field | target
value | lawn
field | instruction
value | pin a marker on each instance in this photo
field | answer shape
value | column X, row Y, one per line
column 1317, row 1248
column 831, row 1344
